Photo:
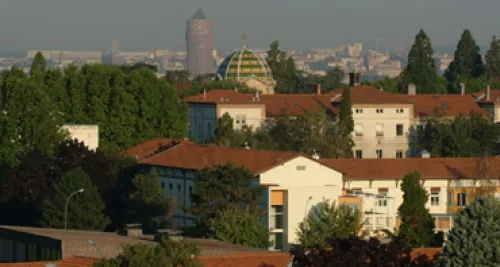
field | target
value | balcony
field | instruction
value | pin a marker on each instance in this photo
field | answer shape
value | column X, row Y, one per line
column 375, row 222
column 444, row 222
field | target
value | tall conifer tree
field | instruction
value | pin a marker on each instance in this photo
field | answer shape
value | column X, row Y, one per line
column 493, row 60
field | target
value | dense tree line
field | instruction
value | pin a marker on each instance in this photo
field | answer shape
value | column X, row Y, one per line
column 129, row 104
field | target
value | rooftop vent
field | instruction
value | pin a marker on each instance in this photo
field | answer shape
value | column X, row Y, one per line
column 315, row 155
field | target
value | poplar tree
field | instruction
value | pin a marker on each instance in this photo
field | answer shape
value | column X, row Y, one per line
column 421, row 67
column 492, row 65
column 346, row 124
column 417, row 224
column 467, row 63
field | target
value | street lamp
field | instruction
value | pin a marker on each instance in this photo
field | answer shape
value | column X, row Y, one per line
column 66, row 207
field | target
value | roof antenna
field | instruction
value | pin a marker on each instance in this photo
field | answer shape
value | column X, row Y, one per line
column 244, row 39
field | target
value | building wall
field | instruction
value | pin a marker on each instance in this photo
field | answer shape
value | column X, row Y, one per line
column 306, row 183
column 250, row 115
column 368, row 118
column 88, row 134
column 202, row 121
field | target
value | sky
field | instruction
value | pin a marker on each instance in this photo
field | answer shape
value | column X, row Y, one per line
column 297, row 24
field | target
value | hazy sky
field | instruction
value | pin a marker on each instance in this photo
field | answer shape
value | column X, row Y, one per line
column 151, row 24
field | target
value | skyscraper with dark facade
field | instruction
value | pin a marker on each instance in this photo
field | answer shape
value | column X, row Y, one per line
column 199, row 44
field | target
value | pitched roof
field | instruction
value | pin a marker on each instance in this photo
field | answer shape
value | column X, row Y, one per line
column 78, row 261
column 494, row 96
column 429, row 168
column 276, row 105
column 199, row 15
column 197, row 157
column 149, row 147
column 270, row 259
column 452, row 105
column 363, row 94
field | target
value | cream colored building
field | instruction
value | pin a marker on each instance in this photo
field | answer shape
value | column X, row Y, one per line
column 293, row 183
column 88, row 134
column 386, row 125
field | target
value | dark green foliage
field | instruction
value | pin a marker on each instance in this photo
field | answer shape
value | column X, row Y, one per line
column 223, row 187
column 85, row 210
column 147, row 204
column 311, row 132
column 388, row 84
column 283, row 69
column 421, row 68
column 354, row 251
column 346, row 124
column 38, row 67
column 167, row 254
column 240, row 227
column 467, row 63
column 463, row 136
column 417, row 224
column 473, row 240
column 328, row 220
column 492, row 64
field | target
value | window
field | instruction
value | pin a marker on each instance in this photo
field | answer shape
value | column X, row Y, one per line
column 359, row 154
column 382, row 202
column 399, row 110
column 450, row 199
column 379, row 153
column 163, row 185
column 399, row 154
column 399, row 129
column 190, row 189
column 301, row 168
column 241, row 119
column 359, row 110
column 358, row 129
column 379, row 128
column 276, row 218
column 382, row 198
column 380, row 110
column 170, row 186
column 209, row 128
column 179, row 187
column 434, row 198
column 461, row 199
column 277, row 241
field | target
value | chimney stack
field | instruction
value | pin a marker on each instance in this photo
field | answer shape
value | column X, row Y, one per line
column 462, row 88
column 204, row 94
column 488, row 91
column 412, row 89
column 256, row 96
column 318, row 89
column 354, row 78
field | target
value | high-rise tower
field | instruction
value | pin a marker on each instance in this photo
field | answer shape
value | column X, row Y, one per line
column 199, row 44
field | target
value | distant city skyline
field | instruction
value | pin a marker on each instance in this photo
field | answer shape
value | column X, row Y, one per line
column 158, row 24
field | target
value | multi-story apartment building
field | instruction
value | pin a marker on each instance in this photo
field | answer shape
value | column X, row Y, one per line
column 295, row 183
column 385, row 124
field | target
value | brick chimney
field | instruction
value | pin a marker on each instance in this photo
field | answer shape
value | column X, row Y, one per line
column 354, row 78
column 487, row 93
column 318, row 89
column 412, row 89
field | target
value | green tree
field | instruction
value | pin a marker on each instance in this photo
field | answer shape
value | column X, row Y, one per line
column 467, row 63
column 289, row 83
column 85, row 210
column 240, row 227
column 492, row 64
column 223, row 187
column 38, row 67
column 224, row 132
column 346, row 124
column 328, row 220
column 473, row 240
column 417, row 224
column 421, row 67
column 167, row 254
column 147, row 204
column 332, row 80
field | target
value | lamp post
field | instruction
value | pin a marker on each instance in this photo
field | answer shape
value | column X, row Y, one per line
column 66, row 207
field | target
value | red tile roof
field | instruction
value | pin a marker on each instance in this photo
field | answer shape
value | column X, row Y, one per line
column 494, row 96
column 78, row 261
column 363, row 94
column 197, row 157
column 276, row 105
column 429, row 168
column 29, row 264
column 271, row 259
column 452, row 105
column 149, row 147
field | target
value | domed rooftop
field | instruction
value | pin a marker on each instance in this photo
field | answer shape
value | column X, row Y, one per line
column 241, row 64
